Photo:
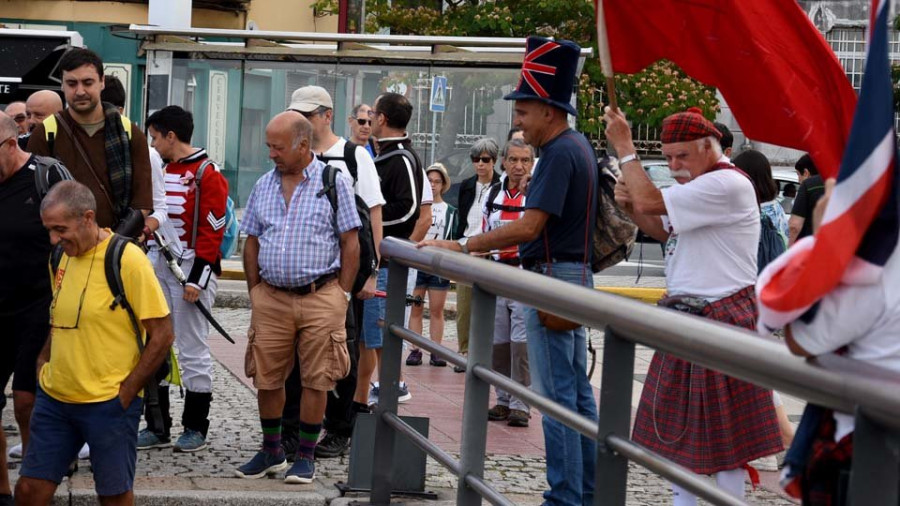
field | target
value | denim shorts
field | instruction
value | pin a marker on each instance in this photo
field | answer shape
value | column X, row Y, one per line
column 59, row 429
column 431, row 282
column 373, row 311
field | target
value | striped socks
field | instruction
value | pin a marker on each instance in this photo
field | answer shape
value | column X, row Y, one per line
column 271, row 428
column 309, row 435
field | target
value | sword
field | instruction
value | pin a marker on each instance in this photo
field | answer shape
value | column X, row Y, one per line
column 179, row 275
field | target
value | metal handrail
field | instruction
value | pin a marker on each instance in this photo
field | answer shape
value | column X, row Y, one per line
column 831, row 381
column 732, row 351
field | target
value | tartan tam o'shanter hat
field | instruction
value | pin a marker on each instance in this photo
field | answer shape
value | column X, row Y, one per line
column 548, row 73
column 687, row 126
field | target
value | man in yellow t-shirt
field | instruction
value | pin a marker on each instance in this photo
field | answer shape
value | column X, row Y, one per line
column 91, row 370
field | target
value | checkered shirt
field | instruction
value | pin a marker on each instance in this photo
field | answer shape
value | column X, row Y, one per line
column 300, row 243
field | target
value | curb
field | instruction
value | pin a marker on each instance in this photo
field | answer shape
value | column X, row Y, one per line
column 646, row 295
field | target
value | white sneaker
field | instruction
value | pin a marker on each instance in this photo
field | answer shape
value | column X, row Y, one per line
column 767, row 463
column 15, row 452
column 85, row 452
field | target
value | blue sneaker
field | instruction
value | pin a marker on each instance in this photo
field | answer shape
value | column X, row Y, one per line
column 261, row 464
column 190, row 441
column 148, row 439
column 403, row 395
column 303, row 471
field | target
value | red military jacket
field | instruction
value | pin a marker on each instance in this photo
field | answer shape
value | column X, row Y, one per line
column 181, row 196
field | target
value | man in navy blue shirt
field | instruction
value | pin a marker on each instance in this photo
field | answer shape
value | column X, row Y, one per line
column 554, row 235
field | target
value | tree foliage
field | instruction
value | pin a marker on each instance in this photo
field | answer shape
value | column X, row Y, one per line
column 646, row 97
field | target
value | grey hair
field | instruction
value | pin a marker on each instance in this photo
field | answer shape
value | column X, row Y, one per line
column 8, row 127
column 74, row 196
column 714, row 144
column 355, row 111
column 302, row 130
column 516, row 143
column 484, row 145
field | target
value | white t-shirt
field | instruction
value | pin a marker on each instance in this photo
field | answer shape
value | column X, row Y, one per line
column 367, row 185
column 865, row 318
column 440, row 225
column 714, row 229
column 476, row 212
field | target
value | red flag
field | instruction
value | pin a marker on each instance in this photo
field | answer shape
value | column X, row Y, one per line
column 783, row 82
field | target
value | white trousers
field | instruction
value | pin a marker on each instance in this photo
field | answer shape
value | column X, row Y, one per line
column 191, row 327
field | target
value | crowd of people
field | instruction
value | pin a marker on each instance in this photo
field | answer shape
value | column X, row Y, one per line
column 149, row 210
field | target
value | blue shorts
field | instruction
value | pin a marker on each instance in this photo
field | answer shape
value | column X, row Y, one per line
column 431, row 282
column 59, row 429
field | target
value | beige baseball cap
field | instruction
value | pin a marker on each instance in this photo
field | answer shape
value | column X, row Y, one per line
column 310, row 98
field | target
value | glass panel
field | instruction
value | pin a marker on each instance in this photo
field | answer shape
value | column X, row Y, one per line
column 210, row 89
column 233, row 101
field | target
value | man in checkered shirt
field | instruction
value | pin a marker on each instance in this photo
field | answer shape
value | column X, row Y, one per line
column 300, row 259
column 699, row 418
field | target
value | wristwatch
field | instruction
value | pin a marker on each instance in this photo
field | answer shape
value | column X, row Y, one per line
column 462, row 244
column 628, row 158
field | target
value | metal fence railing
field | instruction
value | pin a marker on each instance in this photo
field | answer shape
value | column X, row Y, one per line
column 833, row 382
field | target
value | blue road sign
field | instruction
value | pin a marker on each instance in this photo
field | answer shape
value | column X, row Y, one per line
column 438, row 94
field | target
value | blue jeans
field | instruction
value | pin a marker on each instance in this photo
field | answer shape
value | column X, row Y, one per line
column 558, row 363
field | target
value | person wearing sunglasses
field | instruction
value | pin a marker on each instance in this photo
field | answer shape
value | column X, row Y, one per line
column 91, row 370
column 472, row 193
column 360, row 121
column 16, row 111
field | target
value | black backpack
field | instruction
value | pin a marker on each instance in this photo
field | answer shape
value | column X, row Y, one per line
column 368, row 259
column 43, row 167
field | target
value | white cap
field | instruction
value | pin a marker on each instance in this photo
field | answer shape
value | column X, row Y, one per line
column 310, row 98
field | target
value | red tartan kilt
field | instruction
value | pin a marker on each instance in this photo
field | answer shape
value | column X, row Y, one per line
column 707, row 421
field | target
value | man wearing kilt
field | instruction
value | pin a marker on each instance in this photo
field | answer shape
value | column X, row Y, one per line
column 696, row 417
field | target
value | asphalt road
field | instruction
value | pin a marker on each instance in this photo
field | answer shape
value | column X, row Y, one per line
column 646, row 259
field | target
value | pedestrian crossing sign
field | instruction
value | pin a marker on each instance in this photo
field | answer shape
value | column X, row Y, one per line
column 438, row 94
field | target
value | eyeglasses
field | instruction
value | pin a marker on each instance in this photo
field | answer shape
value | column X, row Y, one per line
column 6, row 139
column 482, row 159
column 80, row 300
column 363, row 121
column 18, row 118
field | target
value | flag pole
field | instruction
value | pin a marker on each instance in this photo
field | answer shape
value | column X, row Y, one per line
column 605, row 58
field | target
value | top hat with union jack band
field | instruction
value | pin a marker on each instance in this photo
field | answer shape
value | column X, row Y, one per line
column 548, row 72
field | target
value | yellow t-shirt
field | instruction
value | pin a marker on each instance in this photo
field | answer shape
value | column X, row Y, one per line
column 88, row 363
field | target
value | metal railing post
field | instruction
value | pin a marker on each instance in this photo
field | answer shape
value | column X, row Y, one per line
column 388, row 378
column 477, row 396
column 876, row 455
column 614, row 418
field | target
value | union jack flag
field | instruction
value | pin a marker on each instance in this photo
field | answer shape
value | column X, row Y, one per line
column 530, row 66
column 859, row 230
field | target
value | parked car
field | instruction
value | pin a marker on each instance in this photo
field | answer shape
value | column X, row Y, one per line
column 788, row 184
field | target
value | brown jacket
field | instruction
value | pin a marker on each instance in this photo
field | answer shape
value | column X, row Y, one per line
column 99, row 183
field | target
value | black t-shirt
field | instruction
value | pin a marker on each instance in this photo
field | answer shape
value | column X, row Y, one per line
column 25, row 244
column 809, row 193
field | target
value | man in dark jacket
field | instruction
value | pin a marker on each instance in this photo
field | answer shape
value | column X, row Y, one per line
column 402, row 178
